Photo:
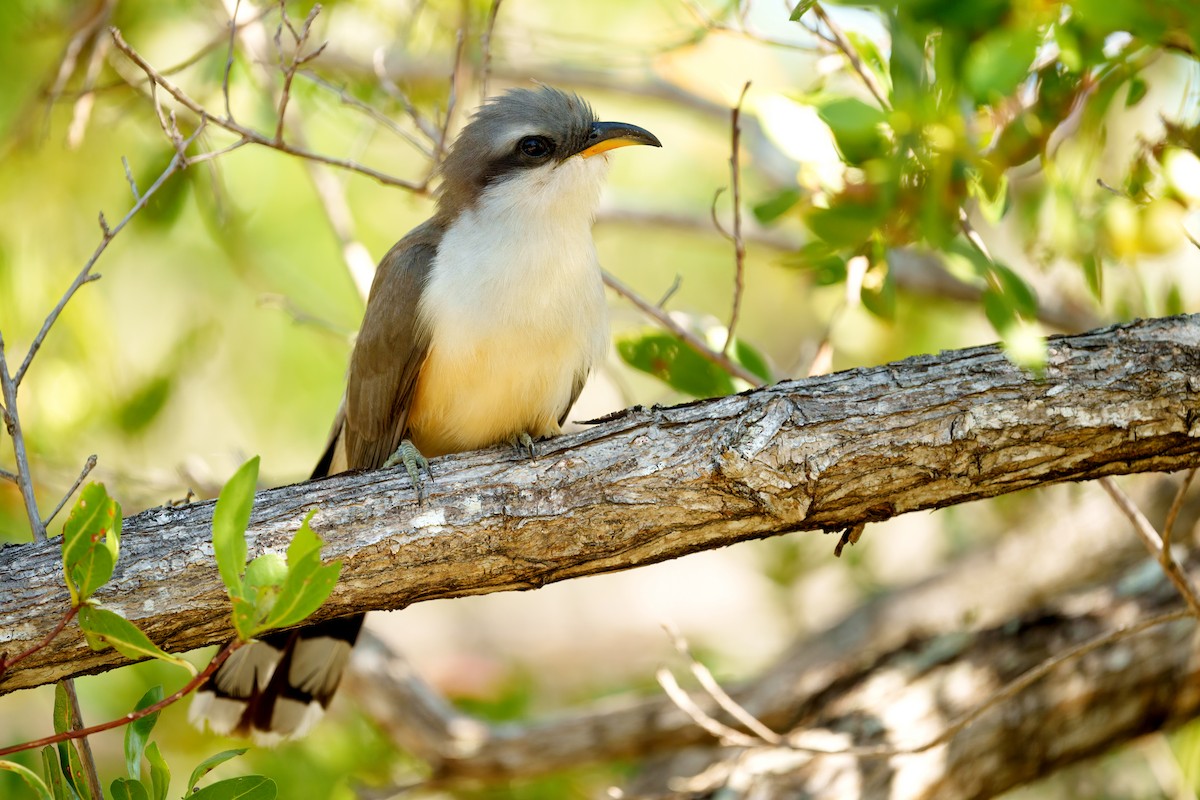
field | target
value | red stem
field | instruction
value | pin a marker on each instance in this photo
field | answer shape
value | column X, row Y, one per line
column 6, row 663
column 125, row 720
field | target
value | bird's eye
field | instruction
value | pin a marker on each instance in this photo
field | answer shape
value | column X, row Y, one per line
column 535, row 146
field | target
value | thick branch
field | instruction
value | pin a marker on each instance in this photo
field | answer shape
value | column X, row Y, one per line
column 650, row 485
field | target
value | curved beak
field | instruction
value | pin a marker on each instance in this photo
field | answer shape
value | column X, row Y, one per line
column 606, row 136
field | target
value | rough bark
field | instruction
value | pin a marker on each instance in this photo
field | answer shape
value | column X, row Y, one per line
column 649, row 485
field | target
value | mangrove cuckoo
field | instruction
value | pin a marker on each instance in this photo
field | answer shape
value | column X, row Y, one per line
column 481, row 327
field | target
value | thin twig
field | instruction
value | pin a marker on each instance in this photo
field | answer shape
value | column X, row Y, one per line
column 717, row 692
column 485, row 44
column 85, row 275
column 5, row 474
column 1168, row 531
column 249, row 135
column 88, row 466
column 684, row 702
column 371, row 111
column 229, row 58
column 1154, row 543
column 299, row 57
column 191, row 685
column 838, row 38
column 12, row 423
column 133, row 187
column 690, row 339
column 739, row 246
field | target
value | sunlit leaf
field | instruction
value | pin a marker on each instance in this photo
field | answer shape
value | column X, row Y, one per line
column 137, row 733
column 31, row 778
column 107, row 628
column 1137, row 90
column 750, row 358
column 672, row 361
column 999, row 61
column 160, row 774
column 247, row 787
column 211, row 763
column 844, row 224
column 802, row 8
column 230, row 520
column 858, row 128
column 1093, row 272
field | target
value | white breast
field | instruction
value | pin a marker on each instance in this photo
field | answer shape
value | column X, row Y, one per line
column 516, row 311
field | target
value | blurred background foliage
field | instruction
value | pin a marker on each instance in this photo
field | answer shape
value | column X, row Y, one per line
column 1062, row 134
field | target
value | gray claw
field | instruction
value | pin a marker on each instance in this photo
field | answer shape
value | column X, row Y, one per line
column 408, row 455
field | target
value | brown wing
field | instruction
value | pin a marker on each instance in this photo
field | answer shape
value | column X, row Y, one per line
column 387, row 358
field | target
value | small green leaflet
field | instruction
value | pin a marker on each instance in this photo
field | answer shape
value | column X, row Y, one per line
column 137, row 733
column 160, row 775
column 126, row 789
column 230, row 519
column 91, row 542
column 247, row 787
column 211, row 763
column 308, row 582
column 68, row 751
column 30, row 777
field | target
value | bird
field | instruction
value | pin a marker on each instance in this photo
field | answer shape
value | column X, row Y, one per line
column 481, row 327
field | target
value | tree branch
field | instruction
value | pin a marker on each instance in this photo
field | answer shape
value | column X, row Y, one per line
column 651, row 485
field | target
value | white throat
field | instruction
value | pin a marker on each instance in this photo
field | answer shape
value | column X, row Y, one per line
column 515, row 308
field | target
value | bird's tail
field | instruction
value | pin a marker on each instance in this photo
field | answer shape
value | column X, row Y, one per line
column 276, row 687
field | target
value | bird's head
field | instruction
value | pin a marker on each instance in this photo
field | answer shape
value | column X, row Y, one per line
column 542, row 146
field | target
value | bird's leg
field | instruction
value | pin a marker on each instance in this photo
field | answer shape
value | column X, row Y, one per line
column 523, row 441
column 408, row 455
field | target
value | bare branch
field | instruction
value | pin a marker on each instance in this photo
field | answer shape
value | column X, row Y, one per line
column 485, row 44
column 250, row 135
column 739, row 247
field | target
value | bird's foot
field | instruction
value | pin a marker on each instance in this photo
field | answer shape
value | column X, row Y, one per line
column 524, row 442
column 408, row 455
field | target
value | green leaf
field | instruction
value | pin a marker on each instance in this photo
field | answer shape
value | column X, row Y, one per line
column 245, row 615
column 669, row 359
column 1020, row 293
column 1093, row 272
column 104, row 627
column 880, row 298
column 859, row 128
column 209, row 764
column 247, row 787
column 230, row 520
column 138, row 732
column 126, row 789
column 826, row 265
column 269, row 569
column 308, row 585
column 1137, row 90
column 137, row 411
column 844, row 224
column 775, row 207
column 94, row 520
column 999, row 61
column 802, row 8
column 30, row 777
column 160, row 775
column 58, row 787
column 68, row 753
column 751, row 359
